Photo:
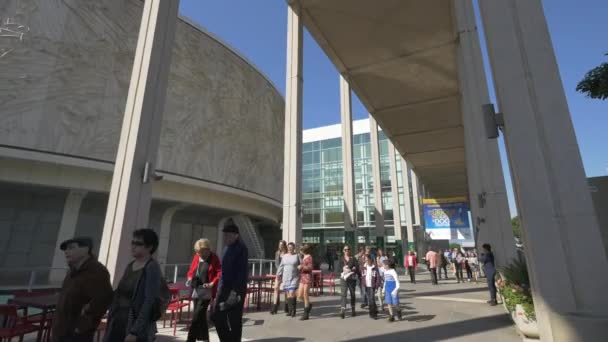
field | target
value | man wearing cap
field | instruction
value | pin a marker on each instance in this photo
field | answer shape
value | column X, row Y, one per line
column 228, row 313
column 85, row 296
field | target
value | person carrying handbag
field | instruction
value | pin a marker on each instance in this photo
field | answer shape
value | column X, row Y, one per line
column 203, row 277
column 136, row 307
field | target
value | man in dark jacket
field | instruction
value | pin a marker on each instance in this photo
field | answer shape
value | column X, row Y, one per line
column 85, row 295
column 486, row 257
column 228, row 314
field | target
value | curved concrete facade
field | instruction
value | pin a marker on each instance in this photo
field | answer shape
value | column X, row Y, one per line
column 66, row 67
column 67, row 82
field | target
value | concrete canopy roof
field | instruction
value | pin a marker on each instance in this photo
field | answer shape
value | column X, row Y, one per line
column 400, row 57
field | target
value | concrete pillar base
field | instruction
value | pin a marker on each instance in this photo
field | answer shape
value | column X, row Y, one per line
column 580, row 326
column 380, row 242
column 350, row 239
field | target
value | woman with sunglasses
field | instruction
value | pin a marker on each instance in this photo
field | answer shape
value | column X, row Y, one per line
column 348, row 279
column 276, row 298
column 290, row 276
column 131, row 313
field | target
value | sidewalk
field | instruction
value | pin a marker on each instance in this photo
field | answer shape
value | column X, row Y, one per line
column 446, row 312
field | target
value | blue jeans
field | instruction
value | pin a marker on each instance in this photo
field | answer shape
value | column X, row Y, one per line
column 363, row 291
column 491, row 285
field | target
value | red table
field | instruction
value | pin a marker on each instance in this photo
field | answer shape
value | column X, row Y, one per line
column 259, row 280
column 45, row 303
column 317, row 281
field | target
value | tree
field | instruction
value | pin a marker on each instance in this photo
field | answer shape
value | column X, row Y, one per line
column 455, row 245
column 516, row 224
column 595, row 83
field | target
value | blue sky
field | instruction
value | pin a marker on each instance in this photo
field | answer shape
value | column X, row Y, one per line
column 257, row 29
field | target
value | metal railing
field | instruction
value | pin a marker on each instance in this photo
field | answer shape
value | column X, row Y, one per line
column 32, row 277
column 262, row 266
column 48, row 277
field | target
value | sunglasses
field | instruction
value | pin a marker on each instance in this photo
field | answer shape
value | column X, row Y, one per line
column 137, row 243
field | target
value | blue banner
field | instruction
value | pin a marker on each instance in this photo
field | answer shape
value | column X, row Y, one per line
column 445, row 218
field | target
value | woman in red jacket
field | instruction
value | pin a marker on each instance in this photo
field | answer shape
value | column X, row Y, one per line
column 203, row 277
column 411, row 265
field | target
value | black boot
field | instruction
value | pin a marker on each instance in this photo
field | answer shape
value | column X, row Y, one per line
column 287, row 306
column 293, row 307
column 275, row 307
column 309, row 306
column 342, row 312
column 353, row 311
column 306, row 313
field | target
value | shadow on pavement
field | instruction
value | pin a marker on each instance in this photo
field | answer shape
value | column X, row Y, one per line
column 444, row 331
column 281, row 339
column 447, row 292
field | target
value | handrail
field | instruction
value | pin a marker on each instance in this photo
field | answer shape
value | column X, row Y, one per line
column 257, row 267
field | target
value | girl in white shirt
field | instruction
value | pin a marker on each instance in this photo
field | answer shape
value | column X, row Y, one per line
column 391, row 289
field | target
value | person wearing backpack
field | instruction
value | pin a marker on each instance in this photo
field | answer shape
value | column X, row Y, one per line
column 203, row 278
column 139, row 298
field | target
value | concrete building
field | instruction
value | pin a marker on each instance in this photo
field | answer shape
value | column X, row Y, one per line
column 63, row 94
column 599, row 193
column 323, row 220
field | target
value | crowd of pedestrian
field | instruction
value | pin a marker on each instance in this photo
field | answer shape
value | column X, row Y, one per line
column 142, row 294
column 219, row 287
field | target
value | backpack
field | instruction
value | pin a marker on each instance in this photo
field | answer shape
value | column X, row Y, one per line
column 164, row 297
column 162, row 302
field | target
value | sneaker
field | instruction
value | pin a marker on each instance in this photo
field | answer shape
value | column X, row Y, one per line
column 391, row 319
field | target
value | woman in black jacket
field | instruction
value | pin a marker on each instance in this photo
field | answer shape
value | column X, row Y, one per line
column 348, row 279
column 131, row 317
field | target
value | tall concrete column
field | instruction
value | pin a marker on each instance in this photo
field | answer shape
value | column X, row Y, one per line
column 409, row 223
column 415, row 197
column 348, row 167
column 165, row 234
column 399, row 233
column 67, row 230
column 487, row 191
column 557, row 216
column 129, row 201
column 292, row 176
column 378, row 206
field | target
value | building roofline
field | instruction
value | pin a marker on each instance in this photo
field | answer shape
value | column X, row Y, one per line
column 230, row 48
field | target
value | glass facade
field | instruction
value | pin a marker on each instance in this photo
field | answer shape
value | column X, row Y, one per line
column 322, row 195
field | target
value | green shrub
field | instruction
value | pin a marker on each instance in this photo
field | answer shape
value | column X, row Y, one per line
column 514, row 286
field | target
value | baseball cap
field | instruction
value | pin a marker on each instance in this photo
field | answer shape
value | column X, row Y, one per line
column 82, row 241
column 230, row 227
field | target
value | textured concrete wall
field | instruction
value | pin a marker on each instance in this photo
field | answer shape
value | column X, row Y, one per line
column 66, row 68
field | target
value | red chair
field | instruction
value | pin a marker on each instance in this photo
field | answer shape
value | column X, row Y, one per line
column 36, row 319
column 175, row 307
column 13, row 325
column 330, row 282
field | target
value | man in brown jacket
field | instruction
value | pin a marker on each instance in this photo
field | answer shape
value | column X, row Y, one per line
column 85, row 296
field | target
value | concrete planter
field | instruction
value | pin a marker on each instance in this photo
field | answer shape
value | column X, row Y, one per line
column 528, row 327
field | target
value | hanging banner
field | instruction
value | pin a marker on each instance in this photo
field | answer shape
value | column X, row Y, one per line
column 447, row 218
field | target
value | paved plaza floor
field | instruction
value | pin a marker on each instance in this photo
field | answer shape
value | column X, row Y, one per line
column 447, row 312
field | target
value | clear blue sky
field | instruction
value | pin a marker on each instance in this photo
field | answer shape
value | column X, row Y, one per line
column 257, row 29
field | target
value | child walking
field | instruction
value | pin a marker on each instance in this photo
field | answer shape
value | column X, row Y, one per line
column 373, row 281
column 391, row 290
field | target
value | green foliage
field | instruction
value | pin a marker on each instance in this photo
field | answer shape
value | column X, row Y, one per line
column 516, row 272
column 514, row 286
column 595, row 83
column 516, row 224
column 455, row 245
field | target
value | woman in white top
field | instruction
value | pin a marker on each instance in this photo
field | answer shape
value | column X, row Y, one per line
column 276, row 299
